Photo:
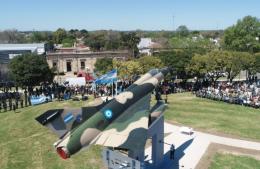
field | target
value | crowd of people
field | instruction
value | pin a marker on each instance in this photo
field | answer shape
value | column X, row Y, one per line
column 242, row 93
column 12, row 100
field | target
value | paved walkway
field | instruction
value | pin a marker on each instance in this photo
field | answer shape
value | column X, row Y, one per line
column 190, row 149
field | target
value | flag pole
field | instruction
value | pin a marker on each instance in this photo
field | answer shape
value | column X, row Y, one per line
column 112, row 89
column 116, row 87
column 116, row 82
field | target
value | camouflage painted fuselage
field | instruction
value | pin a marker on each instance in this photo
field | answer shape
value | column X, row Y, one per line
column 88, row 132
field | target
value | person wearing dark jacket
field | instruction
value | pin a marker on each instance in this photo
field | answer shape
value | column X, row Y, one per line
column 172, row 152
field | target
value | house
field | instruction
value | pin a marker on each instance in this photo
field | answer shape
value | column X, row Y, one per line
column 146, row 46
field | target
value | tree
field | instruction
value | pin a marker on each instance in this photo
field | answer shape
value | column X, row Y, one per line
column 84, row 33
column 198, row 66
column 30, row 70
column 257, row 63
column 178, row 60
column 147, row 63
column 244, row 36
column 215, row 64
column 130, row 41
column 211, row 65
column 182, row 31
column 112, row 40
column 38, row 36
column 12, row 36
column 248, row 63
column 234, row 64
column 127, row 69
column 103, row 65
column 59, row 35
column 200, row 45
column 96, row 41
column 68, row 42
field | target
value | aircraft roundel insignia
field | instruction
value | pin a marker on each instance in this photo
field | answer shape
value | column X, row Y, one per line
column 108, row 114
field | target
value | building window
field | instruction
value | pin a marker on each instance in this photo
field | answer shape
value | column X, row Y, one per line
column 68, row 66
column 82, row 65
column 54, row 64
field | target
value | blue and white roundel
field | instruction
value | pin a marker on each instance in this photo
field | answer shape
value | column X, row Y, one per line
column 108, row 114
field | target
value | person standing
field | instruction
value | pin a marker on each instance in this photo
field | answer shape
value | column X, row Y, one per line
column 16, row 95
column 10, row 102
column 172, row 152
column 21, row 100
column 26, row 97
column 1, row 103
column 14, row 107
column 29, row 99
column 4, row 102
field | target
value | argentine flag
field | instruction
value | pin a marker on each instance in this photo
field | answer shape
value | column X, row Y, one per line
column 110, row 77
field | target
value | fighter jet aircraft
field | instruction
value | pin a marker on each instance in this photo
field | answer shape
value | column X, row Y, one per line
column 119, row 123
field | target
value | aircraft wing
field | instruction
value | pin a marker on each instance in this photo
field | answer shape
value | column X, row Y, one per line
column 60, row 121
column 129, row 130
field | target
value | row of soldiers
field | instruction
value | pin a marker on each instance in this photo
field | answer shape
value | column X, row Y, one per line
column 14, row 100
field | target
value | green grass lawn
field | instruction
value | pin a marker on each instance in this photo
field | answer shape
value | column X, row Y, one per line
column 228, row 161
column 214, row 116
column 25, row 144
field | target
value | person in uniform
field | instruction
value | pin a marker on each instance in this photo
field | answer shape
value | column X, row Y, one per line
column 10, row 101
column 26, row 98
column 21, row 100
column 14, row 107
column 172, row 151
column 29, row 99
column 4, row 102
column 1, row 101
column 158, row 96
column 16, row 95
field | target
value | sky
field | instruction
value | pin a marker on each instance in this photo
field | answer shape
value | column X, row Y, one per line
column 27, row 15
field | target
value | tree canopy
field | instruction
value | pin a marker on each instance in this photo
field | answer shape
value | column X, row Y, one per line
column 182, row 31
column 147, row 63
column 96, row 41
column 215, row 64
column 30, row 70
column 178, row 60
column 257, row 64
column 103, row 65
column 127, row 69
column 244, row 36
column 131, row 68
column 130, row 41
column 59, row 35
column 211, row 65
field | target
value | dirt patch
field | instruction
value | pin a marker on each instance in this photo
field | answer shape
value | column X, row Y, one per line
column 213, row 148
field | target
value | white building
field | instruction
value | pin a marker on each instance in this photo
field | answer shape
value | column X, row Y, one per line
column 145, row 46
column 17, row 49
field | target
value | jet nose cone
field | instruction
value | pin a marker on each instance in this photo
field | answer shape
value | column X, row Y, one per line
column 62, row 151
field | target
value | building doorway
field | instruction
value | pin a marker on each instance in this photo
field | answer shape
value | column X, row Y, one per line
column 68, row 66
